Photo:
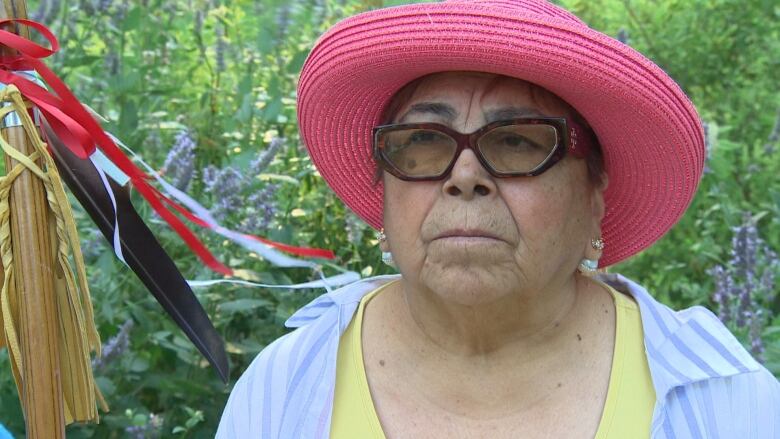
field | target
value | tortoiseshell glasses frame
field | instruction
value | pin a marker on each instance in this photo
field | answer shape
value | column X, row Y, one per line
column 570, row 138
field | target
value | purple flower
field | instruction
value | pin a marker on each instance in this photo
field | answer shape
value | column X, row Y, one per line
column 226, row 185
column 93, row 246
column 114, row 347
column 220, row 49
column 724, row 290
column 756, row 343
column 774, row 136
column 47, row 11
column 151, row 429
column 264, row 159
column 319, row 12
column 198, row 22
column 179, row 166
column 282, row 21
column 622, row 35
column 261, row 209
column 119, row 16
column 104, row 5
column 234, row 192
column 153, row 140
column 707, row 146
column 744, row 288
column 111, row 62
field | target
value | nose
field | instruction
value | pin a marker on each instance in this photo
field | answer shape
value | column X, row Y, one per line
column 469, row 178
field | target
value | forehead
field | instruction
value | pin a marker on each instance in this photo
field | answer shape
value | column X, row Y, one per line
column 450, row 94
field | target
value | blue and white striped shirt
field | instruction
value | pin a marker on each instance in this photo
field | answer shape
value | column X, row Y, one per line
column 707, row 385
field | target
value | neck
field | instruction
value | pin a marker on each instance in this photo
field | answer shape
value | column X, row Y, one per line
column 529, row 322
column 490, row 360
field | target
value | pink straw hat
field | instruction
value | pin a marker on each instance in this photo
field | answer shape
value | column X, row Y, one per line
column 649, row 131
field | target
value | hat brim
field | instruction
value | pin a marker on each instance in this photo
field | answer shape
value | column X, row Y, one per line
column 650, row 133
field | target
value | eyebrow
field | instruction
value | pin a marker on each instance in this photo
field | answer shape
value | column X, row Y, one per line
column 447, row 112
column 512, row 113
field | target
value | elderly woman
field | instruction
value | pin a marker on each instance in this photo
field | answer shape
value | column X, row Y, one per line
column 505, row 151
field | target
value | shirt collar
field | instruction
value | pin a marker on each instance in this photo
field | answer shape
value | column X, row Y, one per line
column 684, row 346
column 681, row 346
column 344, row 296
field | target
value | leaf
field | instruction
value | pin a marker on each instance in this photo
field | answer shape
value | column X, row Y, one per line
column 139, row 365
column 278, row 177
column 757, row 217
column 771, row 331
column 132, row 20
column 272, row 109
column 240, row 305
column 244, row 86
column 244, row 112
column 297, row 61
column 128, row 118
column 107, row 387
column 170, row 125
column 233, row 348
column 246, row 274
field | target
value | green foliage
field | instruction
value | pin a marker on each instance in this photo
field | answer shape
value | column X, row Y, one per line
column 226, row 70
column 725, row 54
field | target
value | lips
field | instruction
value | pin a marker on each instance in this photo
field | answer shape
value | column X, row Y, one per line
column 467, row 233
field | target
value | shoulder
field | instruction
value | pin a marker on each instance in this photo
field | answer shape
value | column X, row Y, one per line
column 296, row 371
column 259, row 393
column 706, row 382
column 745, row 405
column 693, row 342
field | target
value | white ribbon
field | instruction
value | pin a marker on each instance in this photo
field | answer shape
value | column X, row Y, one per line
column 327, row 283
column 273, row 256
column 99, row 163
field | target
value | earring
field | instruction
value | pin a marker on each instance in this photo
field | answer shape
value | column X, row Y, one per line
column 587, row 266
column 387, row 257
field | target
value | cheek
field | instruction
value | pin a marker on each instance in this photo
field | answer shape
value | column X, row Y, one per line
column 406, row 205
column 549, row 213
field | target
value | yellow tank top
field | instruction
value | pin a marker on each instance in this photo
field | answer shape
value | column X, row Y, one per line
column 628, row 409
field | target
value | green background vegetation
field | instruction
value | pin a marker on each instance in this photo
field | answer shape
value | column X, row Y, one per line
column 226, row 71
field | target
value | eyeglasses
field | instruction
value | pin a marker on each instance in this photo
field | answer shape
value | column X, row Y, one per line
column 507, row 148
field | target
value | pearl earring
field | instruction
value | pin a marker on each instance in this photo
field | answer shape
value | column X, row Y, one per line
column 587, row 266
column 387, row 257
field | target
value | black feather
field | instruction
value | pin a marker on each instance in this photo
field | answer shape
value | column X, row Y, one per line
column 141, row 251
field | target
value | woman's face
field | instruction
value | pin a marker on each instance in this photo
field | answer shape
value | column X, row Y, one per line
column 539, row 227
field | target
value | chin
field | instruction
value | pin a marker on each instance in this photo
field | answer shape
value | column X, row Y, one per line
column 472, row 285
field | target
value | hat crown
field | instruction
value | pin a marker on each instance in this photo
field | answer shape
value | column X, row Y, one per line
column 539, row 8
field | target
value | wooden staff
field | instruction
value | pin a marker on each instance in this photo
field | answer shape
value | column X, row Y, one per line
column 34, row 283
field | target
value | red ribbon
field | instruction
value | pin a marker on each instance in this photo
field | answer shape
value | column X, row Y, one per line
column 80, row 132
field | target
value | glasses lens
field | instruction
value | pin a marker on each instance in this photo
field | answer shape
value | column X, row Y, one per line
column 518, row 148
column 419, row 152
